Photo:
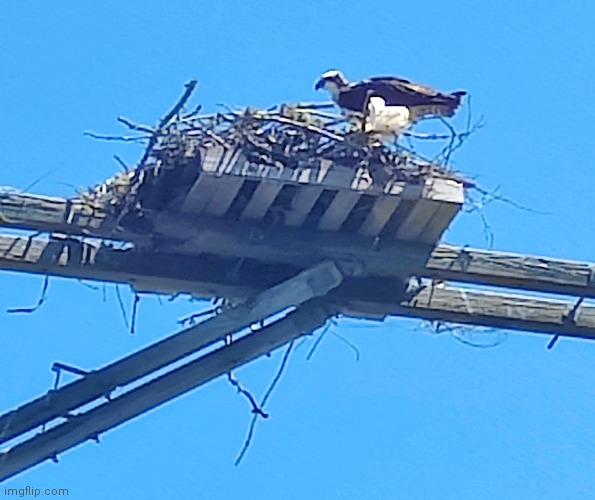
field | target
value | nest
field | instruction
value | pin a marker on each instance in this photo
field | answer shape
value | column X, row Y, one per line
column 286, row 136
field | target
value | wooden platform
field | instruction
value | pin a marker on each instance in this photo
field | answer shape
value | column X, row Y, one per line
column 322, row 195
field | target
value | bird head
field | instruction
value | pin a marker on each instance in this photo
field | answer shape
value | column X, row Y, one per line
column 332, row 82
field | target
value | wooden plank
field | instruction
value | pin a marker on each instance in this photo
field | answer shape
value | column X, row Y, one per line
column 301, row 248
column 222, row 199
column 339, row 210
column 200, row 194
column 261, row 200
column 448, row 304
column 92, row 423
column 383, row 208
column 389, row 258
column 336, row 176
column 434, row 229
column 417, row 220
column 308, row 284
column 212, row 180
column 302, row 203
column 488, row 309
column 445, row 190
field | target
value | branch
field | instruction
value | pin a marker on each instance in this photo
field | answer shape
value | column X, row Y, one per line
column 135, row 126
column 266, row 397
column 294, row 123
column 40, row 301
column 119, row 138
column 190, row 86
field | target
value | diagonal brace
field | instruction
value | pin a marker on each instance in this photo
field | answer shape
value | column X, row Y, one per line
column 311, row 283
column 89, row 425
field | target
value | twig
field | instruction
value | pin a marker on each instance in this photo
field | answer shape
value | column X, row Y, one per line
column 492, row 196
column 244, row 392
column 318, row 340
column 348, row 343
column 191, row 319
column 40, row 301
column 118, row 138
column 122, row 164
column 294, row 123
column 88, row 285
column 266, row 397
column 133, row 316
column 121, row 304
column 135, row 126
column 38, row 180
column 190, row 86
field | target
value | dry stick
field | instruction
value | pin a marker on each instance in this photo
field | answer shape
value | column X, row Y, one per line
column 348, row 343
column 318, row 341
column 135, row 302
column 122, row 163
column 37, row 181
column 244, row 392
column 492, row 196
column 121, row 304
column 40, row 301
column 311, row 128
column 191, row 319
column 135, row 126
column 118, row 138
column 266, row 397
column 190, row 86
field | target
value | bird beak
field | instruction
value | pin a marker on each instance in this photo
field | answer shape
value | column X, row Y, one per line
column 319, row 84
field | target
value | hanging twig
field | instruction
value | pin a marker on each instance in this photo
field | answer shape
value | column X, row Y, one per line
column 121, row 304
column 40, row 301
column 319, row 339
column 122, row 163
column 348, row 343
column 133, row 316
column 266, row 397
column 244, row 392
column 95, row 288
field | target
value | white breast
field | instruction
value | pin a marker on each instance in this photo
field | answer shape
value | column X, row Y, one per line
column 385, row 119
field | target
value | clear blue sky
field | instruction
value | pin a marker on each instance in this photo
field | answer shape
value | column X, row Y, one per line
column 419, row 417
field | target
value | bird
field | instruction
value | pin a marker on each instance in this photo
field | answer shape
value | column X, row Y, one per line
column 386, row 121
column 420, row 99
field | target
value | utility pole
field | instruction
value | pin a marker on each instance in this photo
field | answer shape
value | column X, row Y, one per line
column 288, row 243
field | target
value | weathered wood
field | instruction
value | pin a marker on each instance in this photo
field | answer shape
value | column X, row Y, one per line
column 223, row 197
column 339, row 210
column 434, row 229
column 417, row 219
column 502, row 311
column 201, row 194
column 24, row 211
column 301, row 249
column 303, row 202
column 383, row 208
column 314, row 282
column 261, row 200
column 91, row 424
column 231, row 163
column 354, row 300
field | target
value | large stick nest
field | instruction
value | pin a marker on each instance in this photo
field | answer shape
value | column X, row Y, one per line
column 286, row 136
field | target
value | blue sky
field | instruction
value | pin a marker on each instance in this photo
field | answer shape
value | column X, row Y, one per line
column 419, row 416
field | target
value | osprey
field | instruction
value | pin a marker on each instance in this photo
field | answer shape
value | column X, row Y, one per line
column 421, row 100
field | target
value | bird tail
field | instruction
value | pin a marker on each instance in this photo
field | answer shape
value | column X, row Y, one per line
column 442, row 105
